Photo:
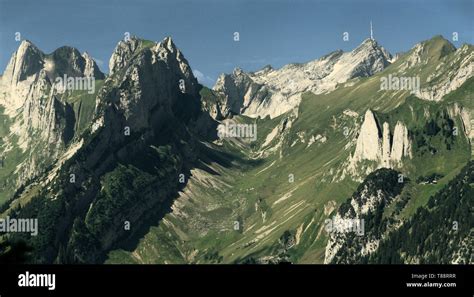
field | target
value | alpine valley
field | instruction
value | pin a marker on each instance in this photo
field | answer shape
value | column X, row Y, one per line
column 133, row 170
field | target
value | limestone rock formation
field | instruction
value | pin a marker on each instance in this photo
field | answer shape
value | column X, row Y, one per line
column 90, row 68
column 122, row 53
column 369, row 145
column 40, row 121
column 381, row 146
column 25, row 62
column 158, row 74
column 271, row 92
column 401, row 144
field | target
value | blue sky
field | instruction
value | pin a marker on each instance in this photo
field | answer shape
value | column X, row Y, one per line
column 275, row 32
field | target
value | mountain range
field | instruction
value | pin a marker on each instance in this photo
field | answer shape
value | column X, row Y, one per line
column 129, row 167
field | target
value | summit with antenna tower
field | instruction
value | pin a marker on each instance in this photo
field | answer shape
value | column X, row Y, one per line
column 371, row 31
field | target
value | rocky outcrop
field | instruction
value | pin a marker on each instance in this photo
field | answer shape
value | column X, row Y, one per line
column 25, row 62
column 271, row 92
column 366, row 60
column 401, row 144
column 90, row 68
column 68, row 61
column 122, row 54
column 352, row 232
column 381, row 146
column 159, row 77
column 40, row 121
column 369, row 144
column 456, row 110
column 240, row 92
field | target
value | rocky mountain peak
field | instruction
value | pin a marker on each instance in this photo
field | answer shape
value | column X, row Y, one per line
column 152, row 74
column 370, row 58
column 39, row 117
column 168, row 52
column 438, row 47
column 28, row 61
column 69, row 61
column 453, row 66
column 237, row 71
column 27, row 47
column 371, row 45
column 367, row 44
column 91, row 69
column 274, row 92
column 169, row 44
column 429, row 50
column 267, row 68
column 227, row 81
column 122, row 53
column 25, row 61
column 238, row 90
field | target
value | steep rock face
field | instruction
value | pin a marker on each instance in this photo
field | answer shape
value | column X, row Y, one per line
column 122, row 53
column 367, row 59
column 39, row 120
column 380, row 146
column 160, row 71
column 41, row 111
column 401, row 145
column 143, row 94
column 145, row 135
column 466, row 118
column 214, row 104
column 90, row 68
column 271, row 92
column 19, row 75
column 42, row 129
column 239, row 90
column 26, row 61
column 68, row 61
column 369, row 140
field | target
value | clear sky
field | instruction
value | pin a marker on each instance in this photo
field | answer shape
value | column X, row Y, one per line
column 275, row 32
